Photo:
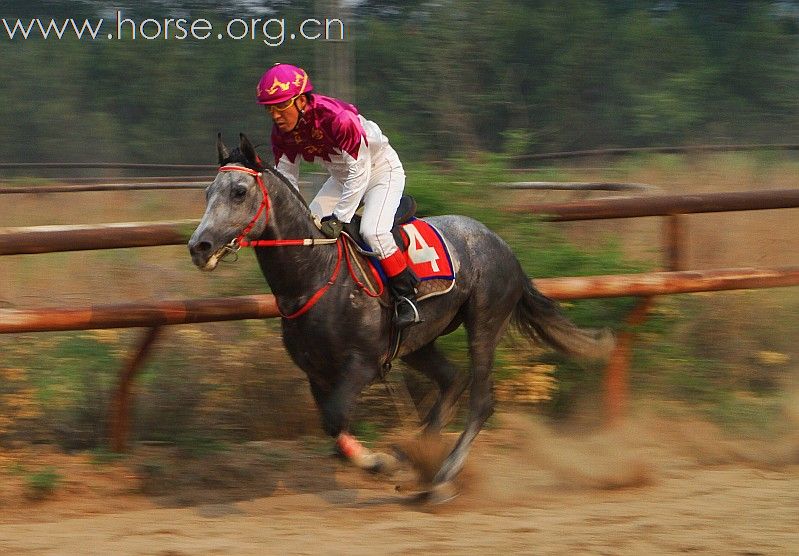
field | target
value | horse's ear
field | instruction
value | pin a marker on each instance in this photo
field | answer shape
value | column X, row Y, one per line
column 249, row 152
column 221, row 149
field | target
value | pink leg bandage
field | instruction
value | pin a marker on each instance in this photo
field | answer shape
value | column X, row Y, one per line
column 349, row 445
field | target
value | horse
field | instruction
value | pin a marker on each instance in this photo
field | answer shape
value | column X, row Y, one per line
column 338, row 334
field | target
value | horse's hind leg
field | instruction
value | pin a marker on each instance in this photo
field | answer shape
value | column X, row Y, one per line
column 484, row 335
column 431, row 362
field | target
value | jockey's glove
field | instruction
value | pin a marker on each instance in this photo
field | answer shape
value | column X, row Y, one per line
column 331, row 226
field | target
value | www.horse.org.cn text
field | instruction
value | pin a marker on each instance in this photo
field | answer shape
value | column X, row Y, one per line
column 270, row 31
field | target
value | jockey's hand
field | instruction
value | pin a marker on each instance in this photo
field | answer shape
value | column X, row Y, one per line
column 331, row 226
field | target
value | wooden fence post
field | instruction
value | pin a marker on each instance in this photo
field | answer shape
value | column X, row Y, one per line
column 617, row 372
column 120, row 409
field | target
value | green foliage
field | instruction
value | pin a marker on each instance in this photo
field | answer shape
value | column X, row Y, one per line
column 71, row 377
column 366, row 431
column 41, row 484
column 167, row 409
column 440, row 78
column 199, row 446
column 698, row 351
column 102, row 456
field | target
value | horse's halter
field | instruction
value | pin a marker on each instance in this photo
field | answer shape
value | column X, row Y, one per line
column 239, row 241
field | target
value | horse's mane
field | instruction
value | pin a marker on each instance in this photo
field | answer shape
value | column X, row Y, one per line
column 282, row 177
column 237, row 156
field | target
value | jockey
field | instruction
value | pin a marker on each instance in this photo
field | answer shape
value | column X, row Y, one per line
column 363, row 168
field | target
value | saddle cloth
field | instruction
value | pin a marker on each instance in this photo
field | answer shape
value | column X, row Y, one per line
column 427, row 254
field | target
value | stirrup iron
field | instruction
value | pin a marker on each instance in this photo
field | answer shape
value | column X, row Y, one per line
column 416, row 318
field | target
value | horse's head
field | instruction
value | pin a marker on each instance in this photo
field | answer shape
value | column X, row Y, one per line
column 232, row 203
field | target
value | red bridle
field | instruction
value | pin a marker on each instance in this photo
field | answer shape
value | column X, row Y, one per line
column 239, row 242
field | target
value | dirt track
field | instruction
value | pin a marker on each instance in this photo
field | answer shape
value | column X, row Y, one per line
column 648, row 489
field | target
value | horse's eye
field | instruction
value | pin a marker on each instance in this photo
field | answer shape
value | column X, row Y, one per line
column 238, row 193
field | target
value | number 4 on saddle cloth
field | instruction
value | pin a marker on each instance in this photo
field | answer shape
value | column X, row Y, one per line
column 424, row 247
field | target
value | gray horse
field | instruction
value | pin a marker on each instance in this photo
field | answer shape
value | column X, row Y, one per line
column 341, row 341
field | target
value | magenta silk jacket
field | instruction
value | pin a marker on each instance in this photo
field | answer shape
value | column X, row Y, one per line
column 332, row 133
column 328, row 127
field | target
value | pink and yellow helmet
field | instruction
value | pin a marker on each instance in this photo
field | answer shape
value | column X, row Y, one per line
column 281, row 83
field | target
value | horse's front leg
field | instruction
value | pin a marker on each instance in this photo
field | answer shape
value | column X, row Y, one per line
column 337, row 407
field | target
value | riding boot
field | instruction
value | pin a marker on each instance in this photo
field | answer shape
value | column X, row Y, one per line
column 403, row 289
column 402, row 284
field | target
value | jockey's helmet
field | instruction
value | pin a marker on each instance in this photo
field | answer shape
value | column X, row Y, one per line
column 281, row 83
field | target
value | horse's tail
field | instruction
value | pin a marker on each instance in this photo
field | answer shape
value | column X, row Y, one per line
column 540, row 319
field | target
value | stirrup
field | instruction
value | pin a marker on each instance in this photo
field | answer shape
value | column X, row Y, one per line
column 416, row 318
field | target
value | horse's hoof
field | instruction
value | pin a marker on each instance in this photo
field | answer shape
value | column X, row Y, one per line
column 385, row 463
column 442, row 493
column 377, row 462
column 399, row 454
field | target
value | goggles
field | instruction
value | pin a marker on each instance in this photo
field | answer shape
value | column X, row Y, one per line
column 281, row 106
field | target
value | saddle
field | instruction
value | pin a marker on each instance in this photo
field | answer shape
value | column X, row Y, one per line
column 425, row 249
column 366, row 271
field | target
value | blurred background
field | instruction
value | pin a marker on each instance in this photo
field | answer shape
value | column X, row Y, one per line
column 442, row 78
column 465, row 90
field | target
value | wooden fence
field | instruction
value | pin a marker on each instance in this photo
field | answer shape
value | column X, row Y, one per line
column 43, row 239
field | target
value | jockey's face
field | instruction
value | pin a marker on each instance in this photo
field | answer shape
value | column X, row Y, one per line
column 286, row 117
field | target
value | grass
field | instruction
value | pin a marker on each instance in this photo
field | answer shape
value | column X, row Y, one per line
column 17, row 469
column 317, row 445
column 276, row 459
column 702, row 352
column 745, row 415
column 198, row 446
column 366, row 431
column 42, row 484
column 102, row 456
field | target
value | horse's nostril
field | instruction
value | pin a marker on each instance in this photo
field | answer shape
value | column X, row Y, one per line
column 202, row 247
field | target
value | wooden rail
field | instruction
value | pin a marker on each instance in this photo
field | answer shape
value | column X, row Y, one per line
column 159, row 313
column 43, row 239
column 663, row 205
column 674, row 207
column 93, row 187
column 52, row 239
column 657, row 150
column 108, row 165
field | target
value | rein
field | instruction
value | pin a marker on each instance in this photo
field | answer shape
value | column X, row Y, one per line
column 240, row 242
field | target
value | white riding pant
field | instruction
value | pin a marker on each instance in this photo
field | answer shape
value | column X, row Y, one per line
column 380, row 202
